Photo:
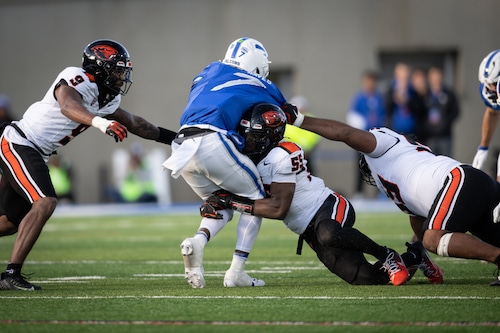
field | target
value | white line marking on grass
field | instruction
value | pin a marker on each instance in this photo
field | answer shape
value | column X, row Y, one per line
column 76, row 278
column 327, row 298
column 164, row 262
column 255, row 323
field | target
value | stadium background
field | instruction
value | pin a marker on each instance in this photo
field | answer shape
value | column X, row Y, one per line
column 318, row 49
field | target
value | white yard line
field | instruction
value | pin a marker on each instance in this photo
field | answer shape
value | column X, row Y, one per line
column 326, row 298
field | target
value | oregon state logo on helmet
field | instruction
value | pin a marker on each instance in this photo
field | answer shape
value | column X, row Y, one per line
column 104, row 52
column 109, row 63
column 273, row 118
column 109, row 53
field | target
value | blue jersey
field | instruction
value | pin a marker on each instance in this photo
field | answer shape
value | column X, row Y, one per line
column 221, row 93
column 485, row 96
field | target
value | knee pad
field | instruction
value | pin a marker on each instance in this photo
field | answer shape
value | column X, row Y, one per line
column 327, row 233
column 444, row 242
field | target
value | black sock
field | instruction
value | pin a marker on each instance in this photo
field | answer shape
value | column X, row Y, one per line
column 411, row 257
column 497, row 261
column 14, row 269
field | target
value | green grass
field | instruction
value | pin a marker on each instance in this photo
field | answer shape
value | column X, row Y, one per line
column 124, row 274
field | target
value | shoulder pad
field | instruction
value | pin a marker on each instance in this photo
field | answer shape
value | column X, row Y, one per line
column 288, row 146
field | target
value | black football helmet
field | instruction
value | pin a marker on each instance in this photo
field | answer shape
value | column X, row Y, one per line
column 366, row 173
column 262, row 127
column 109, row 62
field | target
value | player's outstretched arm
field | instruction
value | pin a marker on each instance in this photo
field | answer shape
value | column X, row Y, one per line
column 274, row 207
column 278, row 204
column 71, row 104
column 490, row 121
column 362, row 141
column 72, row 107
column 143, row 128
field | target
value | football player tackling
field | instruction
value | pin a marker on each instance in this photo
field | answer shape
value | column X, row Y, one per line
column 322, row 217
column 79, row 97
column 450, row 204
column 206, row 152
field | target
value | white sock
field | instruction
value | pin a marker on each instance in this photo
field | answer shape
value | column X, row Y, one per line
column 213, row 225
column 247, row 231
column 238, row 263
column 202, row 237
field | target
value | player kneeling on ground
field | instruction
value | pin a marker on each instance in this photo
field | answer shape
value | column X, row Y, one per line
column 321, row 217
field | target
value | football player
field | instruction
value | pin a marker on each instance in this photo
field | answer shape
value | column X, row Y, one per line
column 489, row 76
column 322, row 217
column 206, row 152
column 453, row 207
column 78, row 98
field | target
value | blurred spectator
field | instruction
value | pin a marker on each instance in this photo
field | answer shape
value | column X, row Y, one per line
column 133, row 181
column 5, row 109
column 308, row 141
column 61, row 175
column 443, row 111
column 367, row 110
column 418, row 102
column 400, row 117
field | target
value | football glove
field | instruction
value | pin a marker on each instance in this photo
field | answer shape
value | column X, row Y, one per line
column 480, row 158
column 293, row 115
column 209, row 211
column 110, row 127
column 223, row 200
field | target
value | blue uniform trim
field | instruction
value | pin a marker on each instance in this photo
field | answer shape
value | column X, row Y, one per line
column 243, row 166
column 257, row 46
column 237, row 46
column 488, row 63
column 486, row 101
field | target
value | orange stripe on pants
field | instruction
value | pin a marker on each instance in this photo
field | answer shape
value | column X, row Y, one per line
column 444, row 207
column 341, row 210
column 18, row 171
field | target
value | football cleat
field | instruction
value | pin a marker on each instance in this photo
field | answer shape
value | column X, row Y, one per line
column 16, row 282
column 496, row 282
column 234, row 278
column 432, row 271
column 395, row 267
column 192, row 254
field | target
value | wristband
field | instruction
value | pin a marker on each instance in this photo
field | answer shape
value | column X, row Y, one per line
column 482, row 148
column 166, row 136
column 244, row 206
column 100, row 123
column 299, row 120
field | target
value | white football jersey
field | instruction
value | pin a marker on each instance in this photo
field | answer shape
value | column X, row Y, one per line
column 286, row 164
column 407, row 171
column 43, row 123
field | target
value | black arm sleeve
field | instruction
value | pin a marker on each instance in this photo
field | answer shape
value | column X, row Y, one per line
column 166, row 136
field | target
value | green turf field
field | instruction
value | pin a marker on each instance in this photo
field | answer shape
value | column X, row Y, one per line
column 125, row 274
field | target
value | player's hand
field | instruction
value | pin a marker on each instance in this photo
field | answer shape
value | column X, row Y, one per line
column 293, row 115
column 110, row 127
column 117, row 131
column 221, row 199
column 496, row 214
column 480, row 158
column 209, row 211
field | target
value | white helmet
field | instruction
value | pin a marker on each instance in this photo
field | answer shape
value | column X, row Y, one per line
column 489, row 69
column 248, row 54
